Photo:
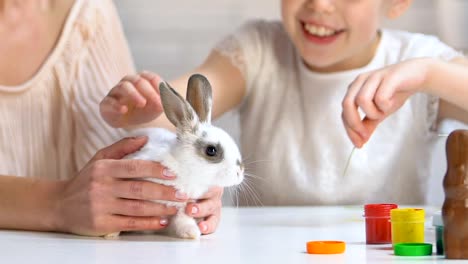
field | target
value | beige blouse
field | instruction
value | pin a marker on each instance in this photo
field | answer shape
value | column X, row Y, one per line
column 50, row 126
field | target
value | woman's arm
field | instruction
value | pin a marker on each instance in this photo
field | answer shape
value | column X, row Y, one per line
column 103, row 198
column 29, row 203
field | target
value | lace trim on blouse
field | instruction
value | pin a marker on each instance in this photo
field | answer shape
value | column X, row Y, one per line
column 230, row 48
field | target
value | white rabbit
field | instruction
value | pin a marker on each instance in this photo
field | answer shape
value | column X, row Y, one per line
column 200, row 154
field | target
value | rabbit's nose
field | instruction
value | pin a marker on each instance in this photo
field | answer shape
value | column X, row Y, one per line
column 240, row 173
column 241, row 165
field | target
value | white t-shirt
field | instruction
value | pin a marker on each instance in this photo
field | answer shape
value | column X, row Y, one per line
column 292, row 133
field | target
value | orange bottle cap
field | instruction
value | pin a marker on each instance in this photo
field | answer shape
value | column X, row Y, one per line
column 326, row 247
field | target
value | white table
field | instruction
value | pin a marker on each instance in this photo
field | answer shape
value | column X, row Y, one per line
column 246, row 235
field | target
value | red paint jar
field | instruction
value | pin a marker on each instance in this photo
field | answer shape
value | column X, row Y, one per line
column 378, row 226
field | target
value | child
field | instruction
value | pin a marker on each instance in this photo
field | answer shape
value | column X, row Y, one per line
column 297, row 82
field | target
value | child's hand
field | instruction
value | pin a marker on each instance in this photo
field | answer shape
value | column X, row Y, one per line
column 134, row 100
column 378, row 94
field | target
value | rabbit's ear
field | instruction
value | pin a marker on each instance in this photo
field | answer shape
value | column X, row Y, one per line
column 177, row 110
column 199, row 96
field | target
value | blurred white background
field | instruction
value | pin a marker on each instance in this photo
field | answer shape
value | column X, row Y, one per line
column 171, row 37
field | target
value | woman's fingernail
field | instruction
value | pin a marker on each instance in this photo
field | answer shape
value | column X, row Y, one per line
column 180, row 195
column 123, row 109
column 167, row 173
column 194, row 209
column 203, row 227
column 163, row 222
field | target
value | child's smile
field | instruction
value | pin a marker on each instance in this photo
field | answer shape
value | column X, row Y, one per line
column 320, row 34
column 334, row 35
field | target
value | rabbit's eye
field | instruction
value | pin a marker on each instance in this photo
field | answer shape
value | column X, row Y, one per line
column 211, row 151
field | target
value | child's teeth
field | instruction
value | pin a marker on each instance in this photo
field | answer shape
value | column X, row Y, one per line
column 319, row 31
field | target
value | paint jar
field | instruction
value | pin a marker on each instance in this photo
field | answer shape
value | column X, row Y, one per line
column 378, row 226
column 439, row 232
column 407, row 225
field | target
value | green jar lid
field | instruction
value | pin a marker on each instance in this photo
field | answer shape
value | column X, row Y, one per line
column 413, row 249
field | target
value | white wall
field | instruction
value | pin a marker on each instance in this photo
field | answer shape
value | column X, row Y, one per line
column 171, row 37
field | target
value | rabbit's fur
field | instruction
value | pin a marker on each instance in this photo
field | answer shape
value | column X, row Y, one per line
column 200, row 154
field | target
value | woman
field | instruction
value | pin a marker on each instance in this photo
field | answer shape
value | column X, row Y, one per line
column 58, row 59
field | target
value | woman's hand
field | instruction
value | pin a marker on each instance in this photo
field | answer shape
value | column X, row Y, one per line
column 135, row 100
column 380, row 93
column 105, row 197
column 207, row 207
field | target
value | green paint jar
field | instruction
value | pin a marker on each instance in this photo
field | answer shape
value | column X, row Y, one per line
column 439, row 232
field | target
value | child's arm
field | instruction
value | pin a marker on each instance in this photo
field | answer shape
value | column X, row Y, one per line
column 451, row 85
column 381, row 92
column 135, row 100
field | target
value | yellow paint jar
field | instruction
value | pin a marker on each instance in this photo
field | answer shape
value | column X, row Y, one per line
column 407, row 225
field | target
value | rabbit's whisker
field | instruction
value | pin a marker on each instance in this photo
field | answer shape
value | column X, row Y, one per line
column 253, row 193
column 244, row 191
column 256, row 196
column 256, row 161
column 253, row 176
column 234, row 195
column 230, row 190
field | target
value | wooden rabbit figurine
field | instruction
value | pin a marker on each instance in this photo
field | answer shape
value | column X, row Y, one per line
column 455, row 208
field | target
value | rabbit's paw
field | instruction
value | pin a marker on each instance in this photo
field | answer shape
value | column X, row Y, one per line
column 112, row 235
column 188, row 231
